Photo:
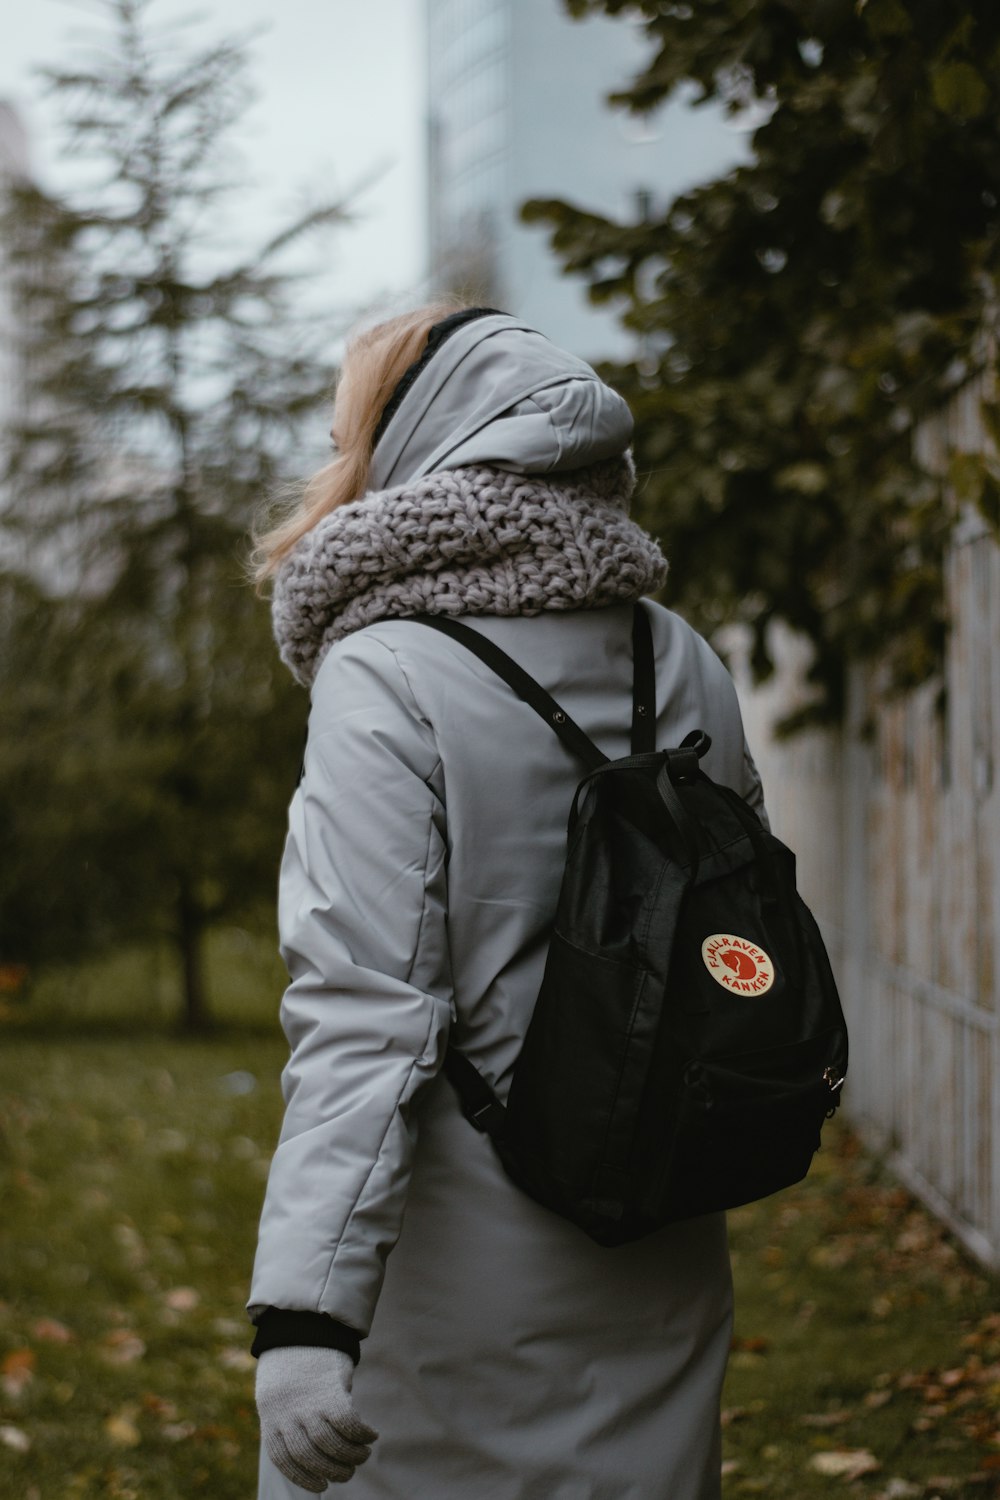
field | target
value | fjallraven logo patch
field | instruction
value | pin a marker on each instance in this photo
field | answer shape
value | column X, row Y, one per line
column 737, row 964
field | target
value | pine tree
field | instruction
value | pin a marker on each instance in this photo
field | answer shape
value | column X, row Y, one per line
column 150, row 735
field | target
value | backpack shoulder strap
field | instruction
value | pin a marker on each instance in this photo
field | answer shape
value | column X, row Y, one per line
column 523, row 685
column 477, row 1100
column 531, row 692
column 643, row 683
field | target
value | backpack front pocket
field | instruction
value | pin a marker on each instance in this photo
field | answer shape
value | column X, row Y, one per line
column 747, row 1126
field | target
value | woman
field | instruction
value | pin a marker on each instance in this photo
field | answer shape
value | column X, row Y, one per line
column 488, row 476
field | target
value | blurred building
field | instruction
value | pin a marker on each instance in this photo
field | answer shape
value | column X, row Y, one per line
column 517, row 110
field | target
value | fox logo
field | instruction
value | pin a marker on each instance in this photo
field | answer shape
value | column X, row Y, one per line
column 736, row 963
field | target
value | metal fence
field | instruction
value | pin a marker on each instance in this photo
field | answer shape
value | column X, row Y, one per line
column 896, row 823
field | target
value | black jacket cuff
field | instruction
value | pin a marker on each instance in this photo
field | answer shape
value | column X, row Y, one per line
column 281, row 1328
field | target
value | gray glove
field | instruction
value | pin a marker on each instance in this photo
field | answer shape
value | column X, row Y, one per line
column 307, row 1419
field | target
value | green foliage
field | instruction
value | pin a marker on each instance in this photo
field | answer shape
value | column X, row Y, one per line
column 151, row 738
column 798, row 317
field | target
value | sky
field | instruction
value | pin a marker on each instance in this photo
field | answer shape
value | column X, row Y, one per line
column 339, row 86
column 340, row 101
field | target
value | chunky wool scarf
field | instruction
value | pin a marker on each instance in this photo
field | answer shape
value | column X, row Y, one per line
column 473, row 541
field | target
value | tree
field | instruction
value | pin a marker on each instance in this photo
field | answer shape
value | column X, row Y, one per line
column 800, row 315
column 151, row 737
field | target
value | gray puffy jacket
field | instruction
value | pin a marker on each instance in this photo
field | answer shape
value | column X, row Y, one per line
column 509, row 1358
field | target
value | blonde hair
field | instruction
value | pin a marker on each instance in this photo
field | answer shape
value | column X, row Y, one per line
column 374, row 362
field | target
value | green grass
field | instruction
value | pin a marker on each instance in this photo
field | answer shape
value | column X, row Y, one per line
column 131, row 1173
column 862, row 1327
column 132, row 1187
column 137, row 990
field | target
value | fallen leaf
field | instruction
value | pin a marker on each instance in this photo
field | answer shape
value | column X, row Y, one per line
column 178, row 1432
column 756, row 1345
column 743, row 1359
column 231, row 1327
column 49, row 1331
column 826, row 1418
column 182, row 1298
column 17, row 1371
column 13, row 1437
column 237, row 1083
column 94, row 1199
column 236, row 1359
column 159, row 1406
column 243, row 1148
column 845, row 1463
column 833, row 1255
column 212, row 1432
column 170, row 1141
column 28, row 1184
column 122, row 1347
column 122, row 1431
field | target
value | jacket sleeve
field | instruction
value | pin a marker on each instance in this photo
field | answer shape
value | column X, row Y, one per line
column 362, row 920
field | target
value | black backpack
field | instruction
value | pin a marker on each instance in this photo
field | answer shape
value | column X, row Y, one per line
column 688, row 1040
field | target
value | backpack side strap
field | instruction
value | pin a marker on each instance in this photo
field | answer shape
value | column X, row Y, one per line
column 478, row 1102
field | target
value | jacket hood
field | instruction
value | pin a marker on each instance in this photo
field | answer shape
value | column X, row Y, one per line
column 498, row 392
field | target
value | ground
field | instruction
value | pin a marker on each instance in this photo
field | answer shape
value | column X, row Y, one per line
column 866, row 1360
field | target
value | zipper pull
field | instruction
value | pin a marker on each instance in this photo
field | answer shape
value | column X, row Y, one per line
column 834, row 1084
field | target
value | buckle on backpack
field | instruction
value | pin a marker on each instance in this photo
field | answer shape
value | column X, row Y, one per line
column 834, row 1084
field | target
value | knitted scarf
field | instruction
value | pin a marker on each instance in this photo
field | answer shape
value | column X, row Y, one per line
column 471, row 541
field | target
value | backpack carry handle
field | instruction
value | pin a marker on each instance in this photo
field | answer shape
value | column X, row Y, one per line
column 680, row 766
